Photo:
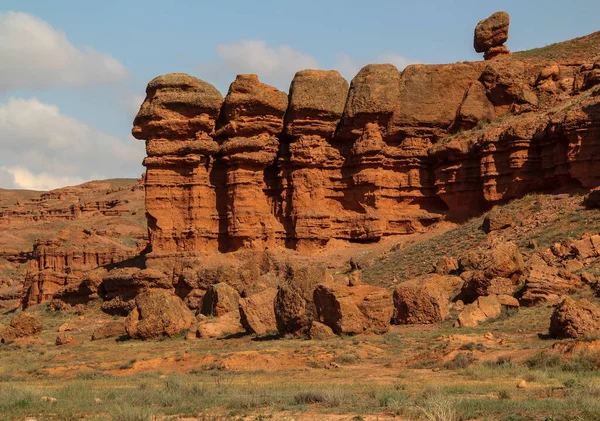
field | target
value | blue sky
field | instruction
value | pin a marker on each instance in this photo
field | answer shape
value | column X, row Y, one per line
column 66, row 106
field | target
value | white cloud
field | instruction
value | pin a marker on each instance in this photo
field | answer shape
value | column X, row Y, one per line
column 35, row 55
column 276, row 65
column 24, row 179
column 43, row 149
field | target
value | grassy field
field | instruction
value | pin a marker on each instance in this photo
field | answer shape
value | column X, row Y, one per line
column 411, row 373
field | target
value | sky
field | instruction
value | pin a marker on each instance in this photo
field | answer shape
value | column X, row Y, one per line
column 73, row 73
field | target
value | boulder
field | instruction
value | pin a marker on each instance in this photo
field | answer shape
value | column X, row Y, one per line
column 446, row 265
column 66, row 339
column 112, row 329
column 290, row 310
column 423, row 300
column 21, row 326
column 353, row 310
column 158, row 313
column 575, row 319
column 484, row 308
column 320, row 332
column 257, row 313
column 491, row 32
column 502, row 260
column 477, row 285
column 497, row 220
column 587, row 247
column 546, row 284
column 219, row 300
column 225, row 325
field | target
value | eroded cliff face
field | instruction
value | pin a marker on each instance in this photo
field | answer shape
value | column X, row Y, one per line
column 390, row 154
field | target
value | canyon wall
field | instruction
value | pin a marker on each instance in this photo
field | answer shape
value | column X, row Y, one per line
column 389, row 154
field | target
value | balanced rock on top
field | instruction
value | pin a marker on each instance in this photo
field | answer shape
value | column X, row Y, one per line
column 491, row 34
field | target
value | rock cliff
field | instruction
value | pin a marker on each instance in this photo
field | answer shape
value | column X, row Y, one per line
column 392, row 153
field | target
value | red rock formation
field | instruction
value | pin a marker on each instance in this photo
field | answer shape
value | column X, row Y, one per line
column 177, row 120
column 248, row 130
column 56, row 265
column 393, row 154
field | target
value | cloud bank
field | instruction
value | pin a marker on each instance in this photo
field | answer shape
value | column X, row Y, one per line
column 44, row 149
column 34, row 55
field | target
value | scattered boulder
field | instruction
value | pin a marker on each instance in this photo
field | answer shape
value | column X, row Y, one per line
column 320, row 332
column 496, row 220
column 546, row 284
column 158, row 313
column 492, row 32
column 592, row 199
column 219, row 300
column 227, row 324
column 575, row 319
column 353, row 310
column 587, row 247
column 21, row 326
column 66, row 339
column 446, row 265
column 65, row 327
column 423, row 300
column 290, row 310
column 257, row 313
column 112, row 329
column 485, row 308
column 477, row 285
column 491, row 273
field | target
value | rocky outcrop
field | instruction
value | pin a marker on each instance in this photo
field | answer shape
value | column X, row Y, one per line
column 57, row 266
column 112, row 329
column 546, row 285
column 424, row 301
column 353, row 310
column 220, row 299
column 177, row 120
column 493, row 272
column 392, row 154
column 290, row 311
column 575, row 319
column 21, row 326
column 227, row 324
column 257, row 313
column 157, row 313
column 485, row 308
column 248, row 130
column 491, row 34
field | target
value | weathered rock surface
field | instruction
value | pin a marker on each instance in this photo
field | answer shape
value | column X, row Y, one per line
column 492, row 32
column 485, row 308
column 112, row 329
column 546, row 285
column 497, row 220
column 220, row 299
column 226, row 324
column 158, row 313
column 257, row 313
column 319, row 331
column 21, row 326
column 290, row 310
column 575, row 319
column 353, row 310
column 425, row 300
column 66, row 339
column 491, row 273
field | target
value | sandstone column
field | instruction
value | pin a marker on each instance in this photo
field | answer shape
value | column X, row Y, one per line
column 177, row 120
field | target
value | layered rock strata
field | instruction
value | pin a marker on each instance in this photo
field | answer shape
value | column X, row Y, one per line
column 391, row 153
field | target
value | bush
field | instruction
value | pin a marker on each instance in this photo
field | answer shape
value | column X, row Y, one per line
column 461, row 361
